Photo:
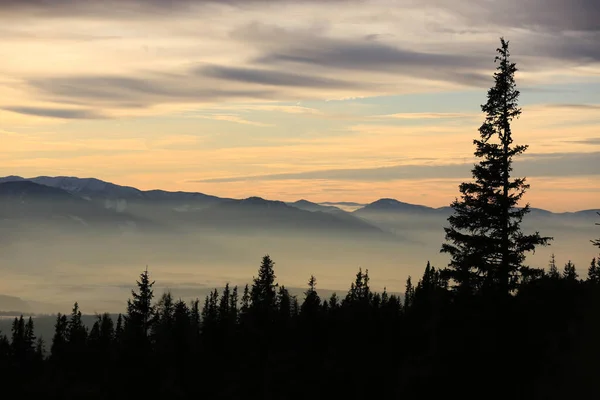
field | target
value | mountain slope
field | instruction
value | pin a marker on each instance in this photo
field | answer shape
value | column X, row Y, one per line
column 27, row 203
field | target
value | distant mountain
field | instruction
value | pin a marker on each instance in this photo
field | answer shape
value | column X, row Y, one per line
column 11, row 303
column 256, row 213
column 26, row 203
column 310, row 206
column 393, row 206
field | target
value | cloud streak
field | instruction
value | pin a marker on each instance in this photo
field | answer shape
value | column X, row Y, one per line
column 539, row 165
column 62, row 113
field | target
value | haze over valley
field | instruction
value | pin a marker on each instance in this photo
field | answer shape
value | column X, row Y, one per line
column 66, row 239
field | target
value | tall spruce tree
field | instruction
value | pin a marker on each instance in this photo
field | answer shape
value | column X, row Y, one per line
column 140, row 310
column 263, row 294
column 59, row 340
column 484, row 240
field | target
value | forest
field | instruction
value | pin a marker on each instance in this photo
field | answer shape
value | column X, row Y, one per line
column 487, row 325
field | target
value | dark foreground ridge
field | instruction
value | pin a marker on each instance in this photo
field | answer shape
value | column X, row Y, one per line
column 259, row 342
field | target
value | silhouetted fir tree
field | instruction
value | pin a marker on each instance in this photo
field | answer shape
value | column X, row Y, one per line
column 295, row 310
column 284, row 307
column 233, row 305
column 570, row 272
column 182, row 334
column 334, row 302
column 4, row 349
column 552, row 268
column 18, row 341
column 263, row 294
column 309, row 310
column 76, row 337
column 409, row 294
column 40, row 350
column 245, row 306
column 30, row 339
column 195, row 320
column 140, row 315
column 225, row 318
column 210, row 317
column 163, row 324
column 119, row 329
column 59, row 340
column 485, row 241
column 594, row 271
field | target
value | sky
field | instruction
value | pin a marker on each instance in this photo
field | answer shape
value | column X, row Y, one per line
column 338, row 100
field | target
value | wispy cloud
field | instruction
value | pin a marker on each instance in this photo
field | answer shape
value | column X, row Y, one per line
column 232, row 118
column 557, row 165
column 419, row 116
column 62, row 113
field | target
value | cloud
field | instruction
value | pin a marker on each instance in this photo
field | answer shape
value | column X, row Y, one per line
column 365, row 55
column 115, row 91
column 422, row 115
column 542, row 165
column 232, row 118
column 271, row 77
column 584, row 107
column 63, row 113
column 591, row 141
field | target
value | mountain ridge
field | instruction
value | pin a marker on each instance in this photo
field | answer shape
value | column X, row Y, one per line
column 95, row 188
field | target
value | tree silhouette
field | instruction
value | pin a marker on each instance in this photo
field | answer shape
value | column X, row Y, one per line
column 570, row 272
column 263, row 293
column 484, row 240
column 140, row 310
column 594, row 271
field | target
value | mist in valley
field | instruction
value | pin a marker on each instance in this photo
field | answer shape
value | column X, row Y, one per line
column 191, row 247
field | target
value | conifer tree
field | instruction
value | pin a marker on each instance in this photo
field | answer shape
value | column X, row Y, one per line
column 18, row 341
column 409, row 294
column 594, row 271
column 484, row 240
column 233, row 304
column 284, row 306
column 552, row 268
column 119, row 328
column 4, row 348
column 570, row 272
column 195, row 320
column 140, row 310
column 263, row 292
column 312, row 302
column 76, row 330
column 334, row 301
column 59, row 340
column 40, row 349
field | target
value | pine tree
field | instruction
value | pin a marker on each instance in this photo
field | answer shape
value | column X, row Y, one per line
column 140, row 310
column 263, row 293
column 40, row 349
column 485, row 241
column 284, row 306
column 76, row 330
column 409, row 294
column 119, row 329
column 233, row 305
column 594, row 271
column 312, row 302
column 570, row 272
column 552, row 268
column 59, row 340
column 30, row 339
column 18, row 343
